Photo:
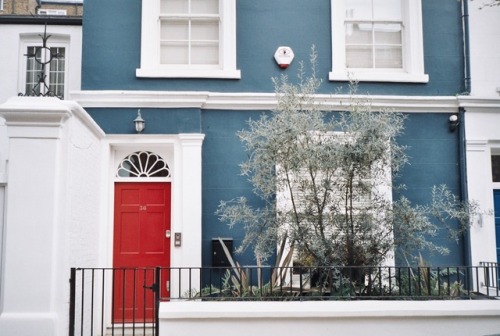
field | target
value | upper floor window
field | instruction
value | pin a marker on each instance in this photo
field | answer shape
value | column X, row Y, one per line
column 53, row 72
column 44, row 67
column 377, row 40
column 188, row 38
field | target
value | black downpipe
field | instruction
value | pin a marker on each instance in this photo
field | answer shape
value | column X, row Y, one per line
column 462, row 146
column 462, row 153
column 465, row 23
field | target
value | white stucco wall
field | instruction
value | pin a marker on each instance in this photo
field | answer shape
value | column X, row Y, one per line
column 84, row 184
column 3, row 181
column 13, row 59
column 346, row 318
column 485, row 48
column 51, row 210
column 482, row 120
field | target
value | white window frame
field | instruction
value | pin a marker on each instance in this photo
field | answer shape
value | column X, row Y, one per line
column 150, row 47
column 34, row 40
column 413, row 50
column 283, row 200
column 1, row 5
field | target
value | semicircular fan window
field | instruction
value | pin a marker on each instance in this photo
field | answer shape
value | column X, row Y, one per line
column 143, row 164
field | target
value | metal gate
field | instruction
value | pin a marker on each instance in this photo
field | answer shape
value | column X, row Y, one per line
column 114, row 301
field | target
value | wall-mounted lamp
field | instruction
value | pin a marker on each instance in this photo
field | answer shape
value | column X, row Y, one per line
column 140, row 124
column 453, row 122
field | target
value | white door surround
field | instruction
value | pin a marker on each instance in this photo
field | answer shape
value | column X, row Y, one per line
column 182, row 152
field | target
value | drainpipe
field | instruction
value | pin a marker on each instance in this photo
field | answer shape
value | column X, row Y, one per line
column 462, row 157
column 465, row 23
column 461, row 131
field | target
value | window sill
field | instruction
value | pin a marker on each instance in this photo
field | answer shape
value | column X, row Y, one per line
column 167, row 73
column 399, row 77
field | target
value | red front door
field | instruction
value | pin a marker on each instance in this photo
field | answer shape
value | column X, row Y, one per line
column 142, row 220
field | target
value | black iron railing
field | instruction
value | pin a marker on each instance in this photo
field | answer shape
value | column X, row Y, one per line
column 120, row 301
column 492, row 274
column 114, row 301
column 333, row 283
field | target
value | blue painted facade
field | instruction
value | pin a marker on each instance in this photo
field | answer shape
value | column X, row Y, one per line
column 111, row 55
column 111, row 33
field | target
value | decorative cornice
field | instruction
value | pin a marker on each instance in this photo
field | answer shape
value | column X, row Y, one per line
column 44, row 113
column 254, row 100
column 143, row 99
column 84, row 118
column 28, row 111
column 476, row 145
column 480, row 104
column 191, row 139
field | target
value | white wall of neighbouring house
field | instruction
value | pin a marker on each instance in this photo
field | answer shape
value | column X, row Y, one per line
column 482, row 119
column 13, row 39
column 484, row 27
column 52, row 211
column 3, row 182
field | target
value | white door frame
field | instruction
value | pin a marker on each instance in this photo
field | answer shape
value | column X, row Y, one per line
column 182, row 152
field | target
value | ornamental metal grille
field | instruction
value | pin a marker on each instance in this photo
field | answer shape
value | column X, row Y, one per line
column 45, row 70
column 143, row 164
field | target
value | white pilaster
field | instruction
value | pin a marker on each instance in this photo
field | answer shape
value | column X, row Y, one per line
column 191, row 199
column 29, row 282
column 482, row 231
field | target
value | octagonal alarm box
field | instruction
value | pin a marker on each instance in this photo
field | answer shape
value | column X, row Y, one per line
column 284, row 56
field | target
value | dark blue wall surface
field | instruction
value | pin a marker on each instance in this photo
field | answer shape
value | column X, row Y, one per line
column 432, row 148
column 158, row 121
column 111, row 55
column 434, row 160
column 111, row 51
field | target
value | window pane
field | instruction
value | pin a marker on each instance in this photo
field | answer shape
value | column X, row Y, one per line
column 56, row 72
column 55, row 54
column 205, row 31
column 174, row 6
column 193, row 39
column 358, row 9
column 387, row 10
column 359, row 33
column 32, row 70
column 205, row 6
column 387, row 33
column 205, row 54
column 177, row 30
column 57, row 90
column 359, row 57
column 495, row 168
column 174, row 53
column 388, row 57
